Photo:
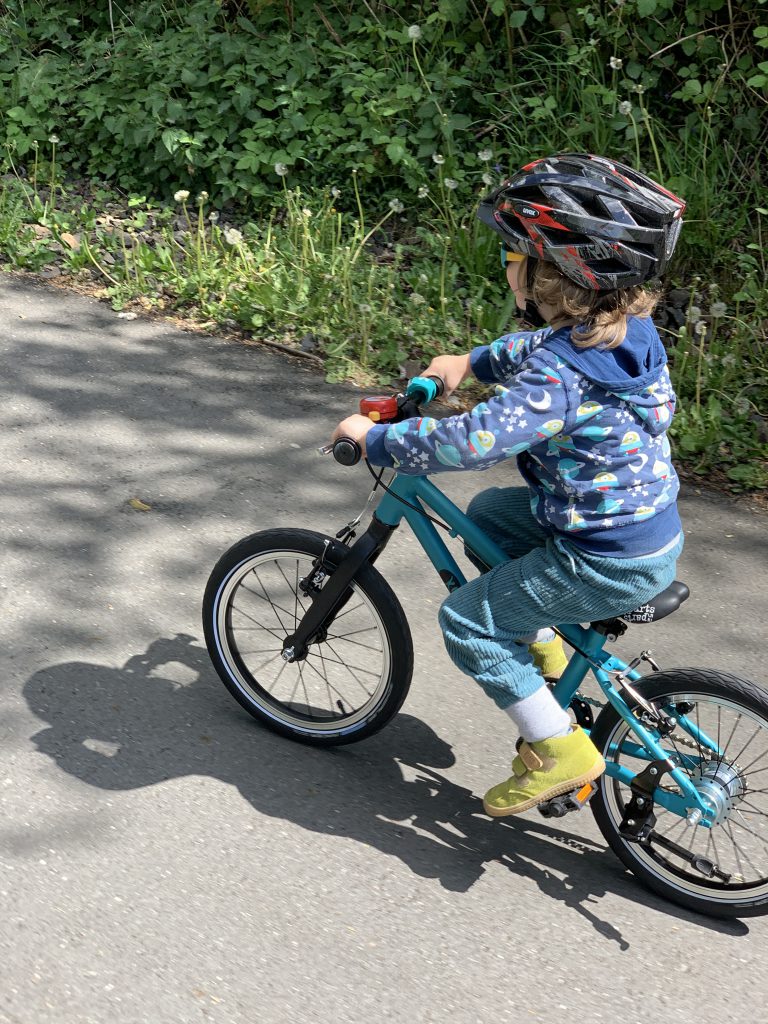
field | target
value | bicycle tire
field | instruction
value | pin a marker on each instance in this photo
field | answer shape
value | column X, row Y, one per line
column 331, row 728
column 656, row 870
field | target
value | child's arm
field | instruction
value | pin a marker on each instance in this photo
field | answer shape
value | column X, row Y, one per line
column 497, row 362
column 491, row 364
column 531, row 409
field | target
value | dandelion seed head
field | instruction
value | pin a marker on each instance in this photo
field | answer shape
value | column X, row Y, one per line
column 625, row 108
column 396, row 206
column 54, row 140
column 438, row 158
column 213, row 216
column 202, row 198
column 700, row 328
column 281, row 169
column 414, row 32
column 364, row 307
column 335, row 192
column 416, row 299
column 423, row 192
column 485, row 155
column 232, row 236
column 718, row 309
column 488, row 179
column 615, row 63
column 451, row 183
column 181, row 196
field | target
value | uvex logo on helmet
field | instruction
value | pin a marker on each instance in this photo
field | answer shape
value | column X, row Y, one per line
column 528, row 211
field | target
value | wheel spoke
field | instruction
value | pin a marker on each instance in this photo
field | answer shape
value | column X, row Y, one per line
column 736, row 729
column 250, row 617
column 262, row 603
column 738, row 849
column 758, row 758
column 343, row 663
column 757, row 730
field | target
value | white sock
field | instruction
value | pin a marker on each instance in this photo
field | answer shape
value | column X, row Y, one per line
column 539, row 717
column 539, row 637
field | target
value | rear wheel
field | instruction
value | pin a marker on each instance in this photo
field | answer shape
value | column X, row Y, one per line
column 730, row 772
column 355, row 676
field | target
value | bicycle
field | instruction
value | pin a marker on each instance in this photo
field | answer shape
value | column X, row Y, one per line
column 339, row 659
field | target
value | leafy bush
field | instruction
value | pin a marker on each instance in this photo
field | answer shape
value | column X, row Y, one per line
column 429, row 105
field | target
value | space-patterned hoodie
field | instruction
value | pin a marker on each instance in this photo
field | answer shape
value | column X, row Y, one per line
column 588, row 429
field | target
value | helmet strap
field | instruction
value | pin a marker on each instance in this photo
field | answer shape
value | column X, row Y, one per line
column 531, row 315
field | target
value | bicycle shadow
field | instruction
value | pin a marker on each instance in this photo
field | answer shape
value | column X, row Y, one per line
column 164, row 715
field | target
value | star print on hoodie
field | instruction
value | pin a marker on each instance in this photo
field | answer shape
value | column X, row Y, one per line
column 587, row 428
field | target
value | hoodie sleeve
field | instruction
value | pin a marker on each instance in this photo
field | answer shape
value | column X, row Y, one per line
column 497, row 362
column 531, row 409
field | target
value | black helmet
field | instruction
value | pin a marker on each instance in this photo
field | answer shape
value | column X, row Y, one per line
column 603, row 224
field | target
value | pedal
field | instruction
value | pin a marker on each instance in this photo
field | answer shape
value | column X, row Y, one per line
column 559, row 806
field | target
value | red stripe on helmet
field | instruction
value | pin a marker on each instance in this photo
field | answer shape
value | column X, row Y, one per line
column 573, row 257
column 544, row 216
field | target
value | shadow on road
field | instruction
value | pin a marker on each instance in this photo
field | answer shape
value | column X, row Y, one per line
column 164, row 715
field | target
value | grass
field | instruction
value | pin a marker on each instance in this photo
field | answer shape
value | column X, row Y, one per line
column 370, row 294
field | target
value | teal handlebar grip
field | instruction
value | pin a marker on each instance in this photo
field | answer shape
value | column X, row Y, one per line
column 424, row 389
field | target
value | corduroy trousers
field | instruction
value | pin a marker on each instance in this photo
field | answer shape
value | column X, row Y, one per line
column 548, row 581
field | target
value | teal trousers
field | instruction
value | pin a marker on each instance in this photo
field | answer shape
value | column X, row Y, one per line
column 546, row 582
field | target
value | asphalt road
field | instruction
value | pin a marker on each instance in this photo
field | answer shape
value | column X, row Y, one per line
column 162, row 858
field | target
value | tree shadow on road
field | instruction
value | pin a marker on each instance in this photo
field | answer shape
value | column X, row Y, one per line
column 164, row 715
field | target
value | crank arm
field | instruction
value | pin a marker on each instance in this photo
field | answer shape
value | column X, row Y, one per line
column 703, row 865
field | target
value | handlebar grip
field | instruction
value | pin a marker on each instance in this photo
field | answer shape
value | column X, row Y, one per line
column 347, row 451
column 425, row 389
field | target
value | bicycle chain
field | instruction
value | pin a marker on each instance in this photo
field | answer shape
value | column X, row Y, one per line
column 684, row 741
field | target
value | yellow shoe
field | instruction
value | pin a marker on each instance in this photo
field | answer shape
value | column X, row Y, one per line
column 549, row 658
column 545, row 769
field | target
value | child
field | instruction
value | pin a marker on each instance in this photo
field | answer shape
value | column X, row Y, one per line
column 584, row 406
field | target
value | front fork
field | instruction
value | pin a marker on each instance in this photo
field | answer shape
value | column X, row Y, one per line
column 330, row 598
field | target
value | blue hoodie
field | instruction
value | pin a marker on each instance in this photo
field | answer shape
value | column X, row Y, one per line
column 587, row 426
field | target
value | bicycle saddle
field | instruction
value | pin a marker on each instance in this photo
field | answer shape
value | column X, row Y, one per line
column 663, row 604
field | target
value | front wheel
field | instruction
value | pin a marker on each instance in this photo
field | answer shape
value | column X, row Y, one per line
column 721, row 743
column 356, row 674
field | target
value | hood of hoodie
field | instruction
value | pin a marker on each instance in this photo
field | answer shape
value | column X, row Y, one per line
column 634, row 371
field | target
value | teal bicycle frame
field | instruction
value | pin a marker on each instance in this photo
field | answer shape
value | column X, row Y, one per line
column 589, row 653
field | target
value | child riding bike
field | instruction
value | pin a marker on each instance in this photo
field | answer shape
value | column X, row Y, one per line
column 583, row 404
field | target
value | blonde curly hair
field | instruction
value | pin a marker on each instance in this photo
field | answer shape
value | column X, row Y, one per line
column 601, row 316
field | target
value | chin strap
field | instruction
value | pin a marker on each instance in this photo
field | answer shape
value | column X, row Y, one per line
column 531, row 315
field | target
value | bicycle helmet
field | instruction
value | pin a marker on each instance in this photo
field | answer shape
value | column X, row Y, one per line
column 603, row 224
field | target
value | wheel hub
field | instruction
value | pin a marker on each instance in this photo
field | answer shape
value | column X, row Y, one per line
column 719, row 785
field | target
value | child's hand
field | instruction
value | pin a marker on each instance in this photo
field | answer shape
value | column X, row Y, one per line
column 355, row 427
column 452, row 369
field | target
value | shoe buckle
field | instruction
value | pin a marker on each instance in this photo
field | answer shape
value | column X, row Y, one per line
column 530, row 758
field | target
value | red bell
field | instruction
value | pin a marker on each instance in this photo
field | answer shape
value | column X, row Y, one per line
column 379, row 408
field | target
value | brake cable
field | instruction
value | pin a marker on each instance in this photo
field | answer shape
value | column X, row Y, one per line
column 416, row 508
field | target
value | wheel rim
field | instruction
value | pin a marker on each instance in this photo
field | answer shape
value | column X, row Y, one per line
column 343, row 678
column 735, row 785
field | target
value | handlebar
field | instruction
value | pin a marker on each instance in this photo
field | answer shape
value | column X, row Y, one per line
column 419, row 391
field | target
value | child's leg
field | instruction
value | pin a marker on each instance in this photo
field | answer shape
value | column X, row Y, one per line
column 483, row 623
column 504, row 514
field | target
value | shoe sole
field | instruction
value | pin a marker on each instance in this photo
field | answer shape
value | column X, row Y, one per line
column 558, row 790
